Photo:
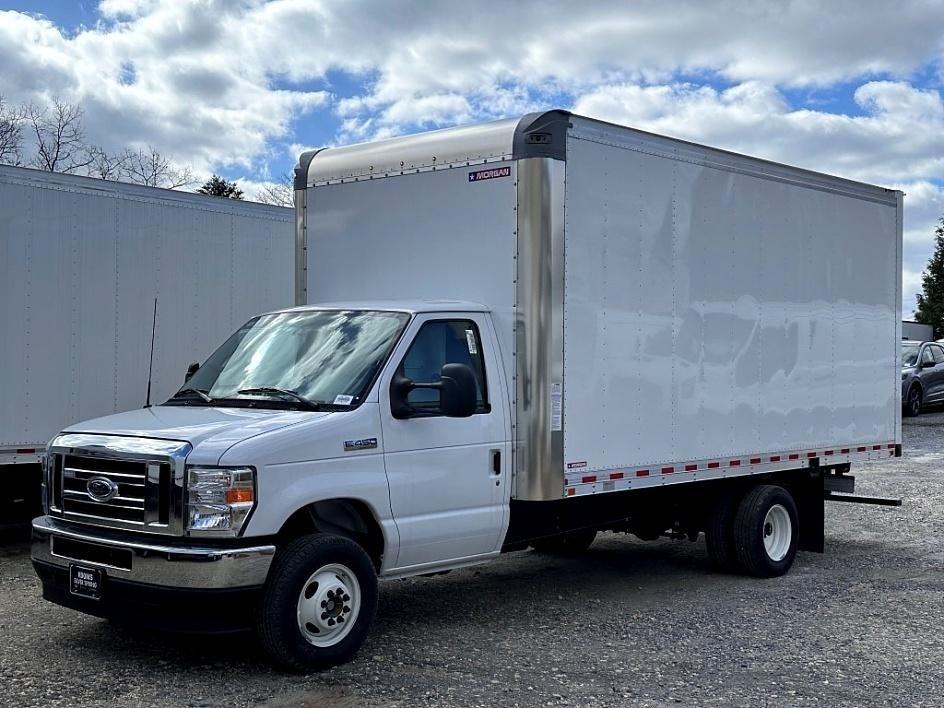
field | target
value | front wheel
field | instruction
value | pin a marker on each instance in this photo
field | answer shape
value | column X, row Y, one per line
column 766, row 530
column 913, row 402
column 318, row 604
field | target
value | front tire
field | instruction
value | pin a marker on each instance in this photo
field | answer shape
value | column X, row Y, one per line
column 913, row 402
column 766, row 530
column 572, row 543
column 318, row 603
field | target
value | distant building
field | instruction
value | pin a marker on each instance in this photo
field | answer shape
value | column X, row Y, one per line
column 916, row 331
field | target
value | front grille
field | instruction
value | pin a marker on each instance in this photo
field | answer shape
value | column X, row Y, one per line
column 143, row 494
column 130, row 477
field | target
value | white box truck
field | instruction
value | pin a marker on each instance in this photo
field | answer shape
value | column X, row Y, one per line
column 509, row 335
column 81, row 262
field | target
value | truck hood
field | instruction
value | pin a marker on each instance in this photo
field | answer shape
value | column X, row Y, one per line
column 211, row 431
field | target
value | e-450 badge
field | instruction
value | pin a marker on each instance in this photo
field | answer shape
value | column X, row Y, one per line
column 363, row 444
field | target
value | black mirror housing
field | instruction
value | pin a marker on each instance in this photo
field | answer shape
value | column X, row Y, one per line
column 458, row 392
column 191, row 370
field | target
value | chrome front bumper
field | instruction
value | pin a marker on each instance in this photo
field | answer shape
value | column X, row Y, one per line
column 191, row 567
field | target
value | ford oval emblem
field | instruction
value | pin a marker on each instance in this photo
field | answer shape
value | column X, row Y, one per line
column 101, row 489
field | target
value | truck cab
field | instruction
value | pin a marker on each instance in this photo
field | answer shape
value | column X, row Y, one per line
column 384, row 424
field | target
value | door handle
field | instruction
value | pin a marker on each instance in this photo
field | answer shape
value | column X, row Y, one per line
column 495, row 466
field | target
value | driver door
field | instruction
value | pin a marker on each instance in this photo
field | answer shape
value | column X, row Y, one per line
column 447, row 475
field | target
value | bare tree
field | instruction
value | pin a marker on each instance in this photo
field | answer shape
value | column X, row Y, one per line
column 105, row 165
column 11, row 133
column 280, row 193
column 151, row 168
column 59, row 136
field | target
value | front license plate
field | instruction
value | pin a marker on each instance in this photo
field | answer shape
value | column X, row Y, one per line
column 85, row 582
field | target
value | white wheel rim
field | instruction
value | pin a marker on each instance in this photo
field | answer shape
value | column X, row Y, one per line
column 778, row 532
column 328, row 605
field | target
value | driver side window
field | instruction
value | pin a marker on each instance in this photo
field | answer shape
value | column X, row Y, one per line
column 441, row 342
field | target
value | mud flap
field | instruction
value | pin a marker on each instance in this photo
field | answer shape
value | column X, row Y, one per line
column 811, row 505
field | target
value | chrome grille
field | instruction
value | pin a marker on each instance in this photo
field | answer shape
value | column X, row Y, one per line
column 119, row 482
column 129, row 476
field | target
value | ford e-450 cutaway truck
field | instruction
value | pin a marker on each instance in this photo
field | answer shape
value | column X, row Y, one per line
column 509, row 335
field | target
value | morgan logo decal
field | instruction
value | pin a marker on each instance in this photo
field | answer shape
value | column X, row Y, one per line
column 493, row 173
column 365, row 444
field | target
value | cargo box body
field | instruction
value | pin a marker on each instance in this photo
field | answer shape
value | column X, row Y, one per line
column 667, row 312
column 83, row 259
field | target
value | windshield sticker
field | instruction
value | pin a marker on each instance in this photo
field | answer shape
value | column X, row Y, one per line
column 342, row 400
column 470, row 338
column 495, row 172
column 364, row 444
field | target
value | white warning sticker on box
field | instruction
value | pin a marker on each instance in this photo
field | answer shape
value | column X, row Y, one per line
column 557, row 407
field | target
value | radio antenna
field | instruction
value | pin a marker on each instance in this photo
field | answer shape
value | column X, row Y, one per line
column 147, row 403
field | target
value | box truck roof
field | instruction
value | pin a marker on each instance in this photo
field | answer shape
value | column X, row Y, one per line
column 410, row 306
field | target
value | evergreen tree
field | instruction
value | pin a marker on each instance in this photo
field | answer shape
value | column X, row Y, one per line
column 216, row 186
column 931, row 299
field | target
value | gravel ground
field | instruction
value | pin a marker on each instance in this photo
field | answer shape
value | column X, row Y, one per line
column 631, row 623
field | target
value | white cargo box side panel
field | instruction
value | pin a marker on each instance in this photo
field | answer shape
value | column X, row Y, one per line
column 82, row 261
column 711, row 313
column 434, row 235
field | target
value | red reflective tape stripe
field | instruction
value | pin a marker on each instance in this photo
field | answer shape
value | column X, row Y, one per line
column 876, row 447
column 775, row 458
column 713, row 465
column 794, row 456
column 811, row 454
column 589, row 478
column 668, row 470
column 755, row 460
column 25, row 450
column 616, row 475
column 691, row 468
column 861, row 449
column 829, row 452
column 642, row 473
column 891, row 446
column 844, row 451
column 735, row 463
column 571, row 491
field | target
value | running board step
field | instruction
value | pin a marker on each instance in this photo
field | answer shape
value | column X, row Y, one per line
column 855, row 499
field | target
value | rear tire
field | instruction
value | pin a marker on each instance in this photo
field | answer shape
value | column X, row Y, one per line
column 719, row 534
column 913, row 402
column 766, row 529
column 318, row 603
column 572, row 543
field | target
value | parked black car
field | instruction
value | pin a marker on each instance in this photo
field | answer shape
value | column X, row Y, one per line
column 922, row 375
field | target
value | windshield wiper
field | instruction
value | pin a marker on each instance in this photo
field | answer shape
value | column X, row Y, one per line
column 191, row 391
column 284, row 392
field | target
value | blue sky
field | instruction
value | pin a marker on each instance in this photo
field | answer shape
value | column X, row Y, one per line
column 240, row 87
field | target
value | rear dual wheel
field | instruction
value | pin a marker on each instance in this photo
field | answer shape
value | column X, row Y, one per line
column 756, row 535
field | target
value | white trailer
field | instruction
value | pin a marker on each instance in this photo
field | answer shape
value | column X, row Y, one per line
column 508, row 335
column 81, row 261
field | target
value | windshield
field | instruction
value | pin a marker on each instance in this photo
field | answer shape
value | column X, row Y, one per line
column 315, row 357
column 909, row 354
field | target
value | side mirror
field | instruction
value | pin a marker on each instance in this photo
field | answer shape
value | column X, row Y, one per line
column 191, row 370
column 458, row 392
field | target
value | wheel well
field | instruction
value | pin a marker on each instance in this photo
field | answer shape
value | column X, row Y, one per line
column 350, row 518
column 916, row 385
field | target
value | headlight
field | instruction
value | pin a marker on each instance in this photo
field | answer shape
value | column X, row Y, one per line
column 219, row 499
